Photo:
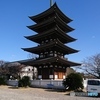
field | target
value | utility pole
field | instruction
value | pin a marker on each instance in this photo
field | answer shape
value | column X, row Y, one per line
column 51, row 3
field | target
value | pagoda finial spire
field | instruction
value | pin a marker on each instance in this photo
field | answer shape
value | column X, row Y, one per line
column 51, row 3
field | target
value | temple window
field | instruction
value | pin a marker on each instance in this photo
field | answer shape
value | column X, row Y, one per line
column 46, row 41
column 42, row 42
column 40, row 66
column 46, row 54
column 46, row 66
column 55, row 65
column 59, row 54
column 50, row 39
column 54, row 39
column 55, row 51
column 51, row 65
column 55, row 54
column 51, row 53
column 41, row 55
column 60, row 66
column 62, row 55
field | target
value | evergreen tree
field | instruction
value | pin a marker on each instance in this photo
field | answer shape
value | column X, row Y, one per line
column 73, row 81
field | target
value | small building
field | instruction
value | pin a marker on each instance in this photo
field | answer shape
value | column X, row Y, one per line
column 52, row 35
column 16, row 70
column 27, row 71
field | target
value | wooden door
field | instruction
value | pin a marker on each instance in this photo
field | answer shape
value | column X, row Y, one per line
column 59, row 75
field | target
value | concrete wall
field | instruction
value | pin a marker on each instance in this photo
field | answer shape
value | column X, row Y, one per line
column 44, row 83
column 12, row 82
column 47, row 83
column 40, row 83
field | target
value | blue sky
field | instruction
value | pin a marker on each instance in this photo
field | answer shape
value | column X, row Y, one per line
column 14, row 19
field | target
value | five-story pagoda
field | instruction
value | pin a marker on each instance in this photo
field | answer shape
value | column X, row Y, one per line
column 51, row 27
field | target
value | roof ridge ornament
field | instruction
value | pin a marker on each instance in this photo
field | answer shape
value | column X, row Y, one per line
column 51, row 3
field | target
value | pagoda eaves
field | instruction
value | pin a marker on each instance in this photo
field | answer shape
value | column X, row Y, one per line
column 52, row 22
column 49, row 12
column 54, row 45
column 54, row 32
column 50, row 60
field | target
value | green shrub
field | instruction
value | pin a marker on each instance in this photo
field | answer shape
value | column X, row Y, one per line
column 2, row 81
column 24, row 82
column 74, row 81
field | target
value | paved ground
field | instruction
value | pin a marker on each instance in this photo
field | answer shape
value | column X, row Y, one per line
column 11, row 93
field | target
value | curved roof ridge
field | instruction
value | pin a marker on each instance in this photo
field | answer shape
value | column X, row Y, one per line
column 50, row 10
column 52, row 44
column 65, row 62
column 55, row 20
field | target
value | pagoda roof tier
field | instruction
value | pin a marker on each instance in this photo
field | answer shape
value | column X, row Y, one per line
column 48, row 24
column 49, row 61
column 55, row 45
column 50, row 12
column 55, row 32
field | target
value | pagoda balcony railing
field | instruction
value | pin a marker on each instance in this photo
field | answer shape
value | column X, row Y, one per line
column 51, row 55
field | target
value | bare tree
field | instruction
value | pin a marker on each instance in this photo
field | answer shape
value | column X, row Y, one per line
column 10, row 69
column 91, row 65
column 14, row 69
column 32, row 56
column 3, row 71
column 2, row 63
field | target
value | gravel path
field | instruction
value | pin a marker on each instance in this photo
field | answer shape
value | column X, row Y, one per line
column 10, row 93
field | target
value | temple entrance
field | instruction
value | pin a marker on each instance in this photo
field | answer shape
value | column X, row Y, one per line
column 59, row 75
column 45, row 73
